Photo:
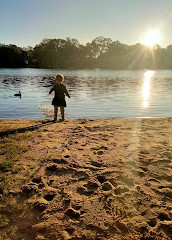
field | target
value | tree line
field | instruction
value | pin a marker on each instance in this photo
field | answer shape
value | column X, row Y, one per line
column 100, row 53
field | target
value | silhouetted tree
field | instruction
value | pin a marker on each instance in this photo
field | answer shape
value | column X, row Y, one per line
column 12, row 56
column 99, row 53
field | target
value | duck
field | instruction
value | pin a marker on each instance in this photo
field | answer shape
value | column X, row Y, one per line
column 18, row 94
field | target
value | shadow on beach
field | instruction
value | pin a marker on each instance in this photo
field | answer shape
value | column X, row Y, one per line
column 25, row 129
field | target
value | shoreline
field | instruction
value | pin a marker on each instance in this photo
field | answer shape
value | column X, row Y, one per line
column 27, row 122
column 86, row 179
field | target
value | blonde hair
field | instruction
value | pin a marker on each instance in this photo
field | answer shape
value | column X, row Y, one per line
column 59, row 78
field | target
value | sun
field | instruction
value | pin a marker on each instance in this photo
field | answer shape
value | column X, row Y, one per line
column 151, row 38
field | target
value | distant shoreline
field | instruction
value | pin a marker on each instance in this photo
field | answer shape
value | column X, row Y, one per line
column 94, row 68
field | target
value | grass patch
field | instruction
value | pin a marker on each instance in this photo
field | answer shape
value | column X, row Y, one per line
column 12, row 149
column 11, row 153
column 20, row 163
column 33, row 174
column 10, row 208
column 6, row 166
column 3, row 220
column 17, row 159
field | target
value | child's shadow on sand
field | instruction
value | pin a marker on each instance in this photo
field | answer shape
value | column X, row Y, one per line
column 25, row 129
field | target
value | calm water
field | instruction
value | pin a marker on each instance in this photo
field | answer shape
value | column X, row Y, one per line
column 94, row 93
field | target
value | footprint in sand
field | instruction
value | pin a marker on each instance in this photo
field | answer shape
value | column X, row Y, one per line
column 66, row 202
column 99, row 152
column 101, row 178
column 91, row 185
column 77, row 204
column 50, row 170
column 60, row 161
column 40, row 205
column 145, row 169
column 96, row 164
column 49, row 197
column 30, row 189
column 121, row 226
column 58, row 170
column 70, row 230
column 88, row 188
column 37, row 179
column 152, row 222
column 82, row 175
column 106, row 186
column 72, row 214
column 164, row 216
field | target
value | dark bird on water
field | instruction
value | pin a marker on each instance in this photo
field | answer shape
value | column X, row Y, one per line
column 18, row 94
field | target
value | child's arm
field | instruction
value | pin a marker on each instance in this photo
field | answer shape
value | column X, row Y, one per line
column 66, row 92
column 51, row 90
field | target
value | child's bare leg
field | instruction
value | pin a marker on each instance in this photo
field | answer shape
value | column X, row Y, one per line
column 62, row 112
column 55, row 112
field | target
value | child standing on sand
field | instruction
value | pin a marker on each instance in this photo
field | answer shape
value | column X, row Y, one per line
column 59, row 98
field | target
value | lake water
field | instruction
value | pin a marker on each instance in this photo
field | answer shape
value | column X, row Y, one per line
column 94, row 93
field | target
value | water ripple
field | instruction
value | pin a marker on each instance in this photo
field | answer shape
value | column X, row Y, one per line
column 94, row 93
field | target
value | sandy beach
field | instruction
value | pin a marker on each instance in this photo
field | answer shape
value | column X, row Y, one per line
column 86, row 179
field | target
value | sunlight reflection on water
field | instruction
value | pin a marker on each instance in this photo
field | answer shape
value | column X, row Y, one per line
column 148, row 75
column 94, row 93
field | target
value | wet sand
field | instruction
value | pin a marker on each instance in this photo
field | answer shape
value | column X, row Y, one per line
column 86, row 179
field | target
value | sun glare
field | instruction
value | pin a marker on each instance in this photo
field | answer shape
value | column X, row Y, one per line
column 151, row 38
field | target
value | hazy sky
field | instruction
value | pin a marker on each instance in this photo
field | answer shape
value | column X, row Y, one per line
column 28, row 22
